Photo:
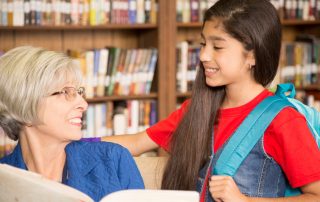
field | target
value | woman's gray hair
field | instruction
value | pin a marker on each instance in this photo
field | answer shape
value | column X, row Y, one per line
column 28, row 74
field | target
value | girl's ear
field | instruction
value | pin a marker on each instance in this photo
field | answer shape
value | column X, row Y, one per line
column 251, row 59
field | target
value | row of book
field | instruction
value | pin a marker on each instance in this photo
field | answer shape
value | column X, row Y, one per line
column 300, row 61
column 187, row 65
column 298, row 9
column 117, row 118
column 192, row 10
column 117, row 71
column 76, row 12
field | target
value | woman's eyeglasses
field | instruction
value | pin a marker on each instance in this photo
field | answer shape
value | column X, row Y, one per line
column 71, row 93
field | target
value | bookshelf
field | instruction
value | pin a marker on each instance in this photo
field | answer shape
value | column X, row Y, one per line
column 128, row 36
column 283, row 22
column 117, row 98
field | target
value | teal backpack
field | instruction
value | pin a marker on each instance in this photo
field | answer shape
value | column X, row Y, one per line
column 253, row 127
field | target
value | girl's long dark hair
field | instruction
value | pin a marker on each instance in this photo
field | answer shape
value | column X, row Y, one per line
column 256, row 25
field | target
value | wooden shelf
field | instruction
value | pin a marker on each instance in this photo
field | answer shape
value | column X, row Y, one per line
column 300, row 22
column 79, row 27
column 314, row 87
column 122, row 97
column 189, row 25
column 184, row 95
column 283, row 22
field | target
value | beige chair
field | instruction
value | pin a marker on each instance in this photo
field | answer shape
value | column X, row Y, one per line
column 151, row 169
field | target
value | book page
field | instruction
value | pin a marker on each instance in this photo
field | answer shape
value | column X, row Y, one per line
column 21, row 185
column 151, row 195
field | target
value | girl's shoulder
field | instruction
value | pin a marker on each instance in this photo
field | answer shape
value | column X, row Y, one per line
column 288, row 116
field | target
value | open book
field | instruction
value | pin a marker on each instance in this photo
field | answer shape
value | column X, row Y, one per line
column 21, row 185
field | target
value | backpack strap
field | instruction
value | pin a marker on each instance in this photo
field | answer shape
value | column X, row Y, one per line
column 285, row 90
column 252, row 128
column 248, row 134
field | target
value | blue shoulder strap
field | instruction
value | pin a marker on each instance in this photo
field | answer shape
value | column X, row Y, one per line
column 248, row 134
column 251, row 130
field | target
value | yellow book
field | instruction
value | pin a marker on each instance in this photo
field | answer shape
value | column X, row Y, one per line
column 10, row 13
column 93, row 12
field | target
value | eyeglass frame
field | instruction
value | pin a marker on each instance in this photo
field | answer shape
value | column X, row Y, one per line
column 70, row 97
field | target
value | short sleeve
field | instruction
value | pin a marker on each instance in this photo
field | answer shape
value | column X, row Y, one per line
column 292, row 145
column 161, row 132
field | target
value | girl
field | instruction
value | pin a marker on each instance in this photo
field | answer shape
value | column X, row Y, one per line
column 239, row 57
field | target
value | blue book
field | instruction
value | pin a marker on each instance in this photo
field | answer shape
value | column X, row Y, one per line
column 153, row 112
column 132, row 13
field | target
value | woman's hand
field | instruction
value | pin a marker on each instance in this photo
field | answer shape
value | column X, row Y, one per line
column 223, row 188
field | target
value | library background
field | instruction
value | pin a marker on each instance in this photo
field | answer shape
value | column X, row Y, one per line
column 139, row 57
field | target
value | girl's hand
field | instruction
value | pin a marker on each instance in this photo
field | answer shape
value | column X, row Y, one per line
column 223, row 188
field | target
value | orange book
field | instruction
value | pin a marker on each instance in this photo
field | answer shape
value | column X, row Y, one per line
column 10, row 13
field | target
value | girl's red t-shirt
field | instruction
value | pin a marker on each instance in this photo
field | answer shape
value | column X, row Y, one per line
column 287, row 139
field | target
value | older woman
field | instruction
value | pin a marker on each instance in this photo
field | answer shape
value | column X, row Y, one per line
column 41, row 105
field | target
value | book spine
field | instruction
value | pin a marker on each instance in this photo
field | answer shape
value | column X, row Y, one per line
column 10, row 13
column 132, row 11
column 147, row 11
column 194, row 10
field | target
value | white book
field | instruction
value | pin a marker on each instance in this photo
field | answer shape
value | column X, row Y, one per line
column 89, row 55
column 18, row 13
column 140, row 11
column 182, row 66
column 90, row 121
column 120, row 124
column 4, row 13
column 1, row 13
column 21, row 185
column 100, row 120
column 186, row 15
column 102, row 71
column 152, row 196
column 134, row 117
